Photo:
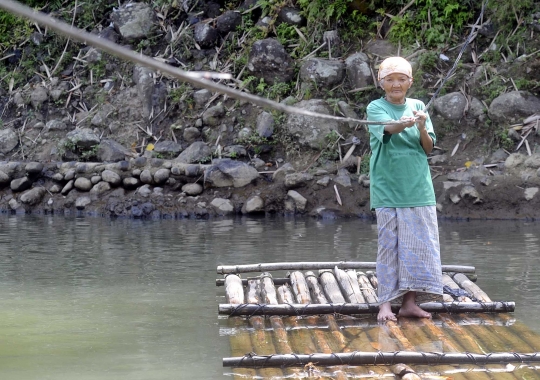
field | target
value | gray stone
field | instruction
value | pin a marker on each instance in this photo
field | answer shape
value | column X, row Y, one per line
column 348, row 111
column 201, row 97
column 39, row 96
column 291, row 16
column 533, row 161
column 212, row 116
column 265, row 124
column 83, row 184
column 438, row 159
column 130, row 183
column 8, row 140
column 133, row 20
column 191, row 134
column 295, row 180
column 146, row 177
column 324, row 73
column 205, row 35
column 161, row 176
column 281, row 172
column 269, row 60
column 68, row 187
column 513, row 107
column 95, row 179
column 196, row 152
column 34, row 168
column 254, row 204
column 235, row 151
column 145, row 191
column 299, row 201
column 228, row 22
column 70, row 174
column 111, row 151
column 4, row 178
column 111, row 177
column 530, row 193
column 82, row 202
column 55, row 189
column 324, row 181
column 470, row 192
column 20, row 184
column 226, row 173
column 222, row 206
column 33, row 196
column 514, row 160
column 343, row 178
column 168, row 148
column 56, row 125
column 192, row 189
column 100, row 188
column 83, row 138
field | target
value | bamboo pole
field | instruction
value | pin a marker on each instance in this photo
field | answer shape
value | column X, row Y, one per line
column 260, row 339
column 471, row 287
column 350, row 309
column 240, row 342
column 520, row 329
column 388, row 358
column 330, row 287
column 277, row 281
column 348, row 283
column 373, row 279
column 369, row 292
column 447, row 281
column 267, row 267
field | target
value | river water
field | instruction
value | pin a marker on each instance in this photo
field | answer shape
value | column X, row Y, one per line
column 90, row 298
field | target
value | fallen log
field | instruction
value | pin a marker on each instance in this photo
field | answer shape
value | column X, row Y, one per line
column 348, row 308
column 378, row 358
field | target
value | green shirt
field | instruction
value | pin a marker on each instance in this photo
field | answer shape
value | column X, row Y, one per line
column 399, row 170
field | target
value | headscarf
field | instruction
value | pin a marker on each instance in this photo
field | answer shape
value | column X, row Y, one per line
column 393, row 65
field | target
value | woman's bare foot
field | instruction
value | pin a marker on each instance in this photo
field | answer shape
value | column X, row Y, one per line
column 410, row 309
column 385, row 313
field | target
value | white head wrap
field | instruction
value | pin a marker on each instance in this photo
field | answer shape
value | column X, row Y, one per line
column 394, row 65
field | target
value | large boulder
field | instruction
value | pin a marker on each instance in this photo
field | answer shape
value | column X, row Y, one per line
column 133, row 20
column 269, row 60
column 8, row 140
column 358, row 70
column 513, row 107
column 312, row 131
column 230, row 173
column 196, row 152
column 323, row 72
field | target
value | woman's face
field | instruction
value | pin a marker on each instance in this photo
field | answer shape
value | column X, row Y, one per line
column 395, row 86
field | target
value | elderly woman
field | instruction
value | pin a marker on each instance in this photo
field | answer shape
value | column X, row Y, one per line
column 408, row 257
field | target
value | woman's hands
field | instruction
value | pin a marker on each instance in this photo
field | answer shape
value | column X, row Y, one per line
column 421, row 118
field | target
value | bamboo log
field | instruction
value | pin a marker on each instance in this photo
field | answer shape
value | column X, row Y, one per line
column 471, row 287
column 348, row 283
column 317, row 293
column 234, row 289
column 369, row 292
column 373, row 279
column 277, row 281
column 260, row 339
column 447, row 281
column 331, row 287
column 388, row 358
column 350, row 309
column 226, row 269
column 268, row 291
column 532, row 338
column 300, row 287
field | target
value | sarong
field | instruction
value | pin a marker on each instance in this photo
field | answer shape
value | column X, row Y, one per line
column 408, row 257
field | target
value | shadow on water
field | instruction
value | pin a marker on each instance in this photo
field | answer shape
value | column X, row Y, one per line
column 93, row 298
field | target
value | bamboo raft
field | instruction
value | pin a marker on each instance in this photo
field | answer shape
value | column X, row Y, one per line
column 318, row 321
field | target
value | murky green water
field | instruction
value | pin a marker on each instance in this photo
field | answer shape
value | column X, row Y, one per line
column 90, row 298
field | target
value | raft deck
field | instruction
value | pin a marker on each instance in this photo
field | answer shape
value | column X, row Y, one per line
column 318, row 320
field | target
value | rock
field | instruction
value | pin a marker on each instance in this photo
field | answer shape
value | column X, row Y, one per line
column 533, row 161
column 348, row 111
column 20, row 184
column 358, row 70
column 265, row 124
column 222, row 206
column 130, row 183
column 39, row 96
column 343, row 178
column 295, row 180
column 228, row 22
column 513, row 107
column 146, row 177
column 82, row 202
column 196, row 152
column 83, row 184
column 455, row 198
column 111, row 177
column 439, row 159
column 13, row 204
column 235, row 151
column 201, row 97
column 514, row 160
column 291, row 16
column 226, row 172
column 191, row 134
column 299, row 201
column 469, row 192
column 33, row 196
column 258, row 163
column 161, row 176
column 205, row 35
column 145, row 191
column 310, row 131
column 56, row 125
column 254, row 204
column 168, row 148
column 333, row 42
column 95, row 179
column 324, row 181
column 4, row 178
column 55, row 189
column 133, row 20
column 67, row 188
column 212, row 116
column 281, row 172
column 34, row 168
column 8, row 140
column 530, row 193
column 70, row 174
column 83, row 138
column 269, row 60
column 111, row 151
column 322, row 72
column 192, row 189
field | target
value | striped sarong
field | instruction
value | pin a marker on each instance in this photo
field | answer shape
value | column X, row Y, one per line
column 408, row 257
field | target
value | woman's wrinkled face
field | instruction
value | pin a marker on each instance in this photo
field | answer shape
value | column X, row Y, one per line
column 395, row 86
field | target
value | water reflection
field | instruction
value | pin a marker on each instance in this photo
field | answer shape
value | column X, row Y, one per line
column 93, row 298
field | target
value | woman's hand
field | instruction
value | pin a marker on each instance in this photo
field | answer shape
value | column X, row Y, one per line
column 420, row 117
